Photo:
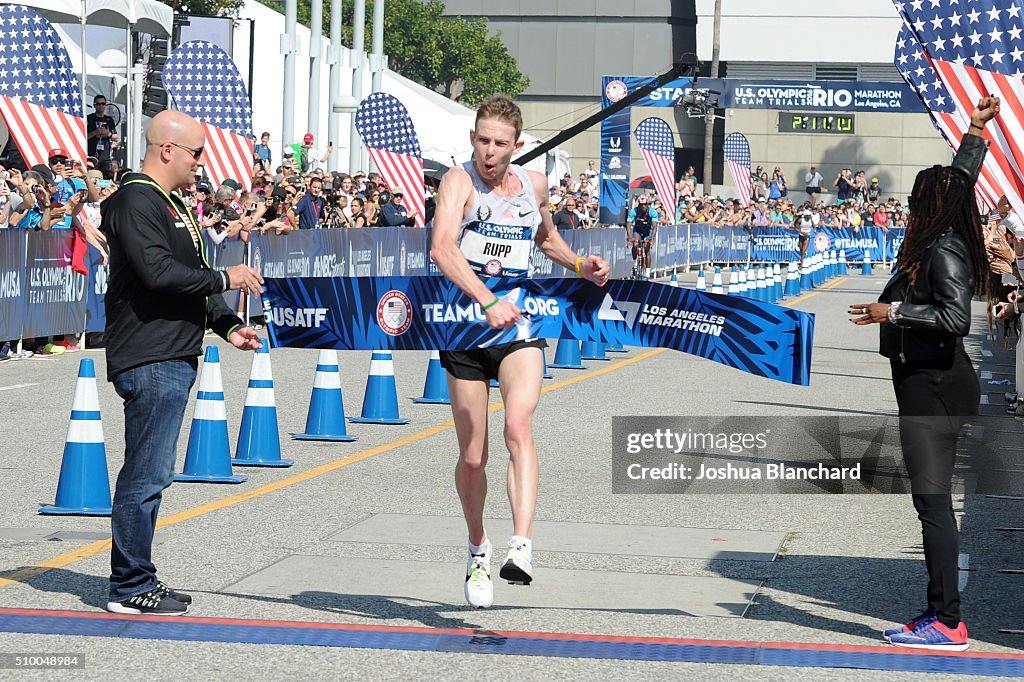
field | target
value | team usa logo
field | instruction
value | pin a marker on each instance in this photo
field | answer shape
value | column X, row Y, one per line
column 615, row 90
column 822, row 242
column 394, row 313
column 493, row 267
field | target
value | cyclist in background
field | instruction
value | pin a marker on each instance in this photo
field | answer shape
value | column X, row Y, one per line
column 642, row 226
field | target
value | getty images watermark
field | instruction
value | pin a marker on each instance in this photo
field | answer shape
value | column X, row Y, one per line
column 860, row 454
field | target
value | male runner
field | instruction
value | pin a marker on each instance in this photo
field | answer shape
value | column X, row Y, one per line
column 488, row 207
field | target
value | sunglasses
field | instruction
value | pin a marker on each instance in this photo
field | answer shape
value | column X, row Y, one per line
column 196, row 153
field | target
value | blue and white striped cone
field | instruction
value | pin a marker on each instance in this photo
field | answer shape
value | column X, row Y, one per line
column 208, row 458
column 830, row 264
column 593, row 350
column 760, row 294
column 567, row 355
column 805, row 274
column 777, row 281
column 769, row 285
column 816, row 274
column 674, row 280
column 833, row 256
column 734, row 282
column 325, row 420
column 544, row 354
column 793, row 279
column 844, row 268
column 83, row 488
column 742, row 285
column 716, row 282
column 259, row 440
column 865, row 268
column 380, row 400
column 702, row 284
column 615, row 348
column 435, row 386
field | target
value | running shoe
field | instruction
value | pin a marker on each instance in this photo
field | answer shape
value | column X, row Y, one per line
column 518, row 567
column 67, row 346
column 155, row 602
column 183, row 597
column 909, row 627
column 52, row 349
column 478, row 588
column 931, row 634
column 23, row 355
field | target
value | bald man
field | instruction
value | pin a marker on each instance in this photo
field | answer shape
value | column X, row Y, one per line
column 162, row 295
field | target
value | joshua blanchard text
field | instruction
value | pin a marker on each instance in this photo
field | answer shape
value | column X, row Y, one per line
column 747, row 472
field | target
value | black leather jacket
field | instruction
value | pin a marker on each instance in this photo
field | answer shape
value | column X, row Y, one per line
column 935, row 313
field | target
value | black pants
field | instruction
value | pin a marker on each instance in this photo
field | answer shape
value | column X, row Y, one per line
column 935, row 399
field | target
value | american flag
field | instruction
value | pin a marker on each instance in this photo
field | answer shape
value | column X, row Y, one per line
column 656, row 142
column 952, row 54
column 39, row 97
column 206, row 85
column 737, row 155
column 387, row 131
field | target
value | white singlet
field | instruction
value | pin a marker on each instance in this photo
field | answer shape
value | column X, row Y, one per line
column 497, row 235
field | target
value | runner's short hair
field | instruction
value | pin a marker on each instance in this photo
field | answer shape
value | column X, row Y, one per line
column 502, row 108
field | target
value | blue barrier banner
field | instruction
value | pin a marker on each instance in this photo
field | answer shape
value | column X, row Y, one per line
column 56, row 295
column 870, row 240
column 13, row 286
column 95, row 312
column 774, row 245
column 423, row 313
column 893, row 241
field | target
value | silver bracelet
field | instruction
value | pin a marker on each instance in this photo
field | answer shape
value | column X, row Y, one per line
column 894, row 311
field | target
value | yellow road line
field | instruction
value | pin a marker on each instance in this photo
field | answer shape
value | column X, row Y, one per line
column 94, row 548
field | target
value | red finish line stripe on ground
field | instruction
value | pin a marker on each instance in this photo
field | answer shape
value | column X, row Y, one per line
column 558, row 645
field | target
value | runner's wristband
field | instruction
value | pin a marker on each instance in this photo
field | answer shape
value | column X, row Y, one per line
column 491, row 304
column 578, row 260
column 974, row 125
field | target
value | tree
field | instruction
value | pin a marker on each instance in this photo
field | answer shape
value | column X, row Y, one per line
column 211, row 8
column 452, row 56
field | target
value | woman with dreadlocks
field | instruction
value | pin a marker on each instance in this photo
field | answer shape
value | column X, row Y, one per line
column 924, row 312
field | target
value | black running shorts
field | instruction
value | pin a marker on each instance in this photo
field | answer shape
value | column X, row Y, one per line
column 481, row 364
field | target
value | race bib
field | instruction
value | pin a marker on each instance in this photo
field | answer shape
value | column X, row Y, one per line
column 498, row 250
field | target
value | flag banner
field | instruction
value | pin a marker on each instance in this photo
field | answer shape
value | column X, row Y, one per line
column 424, row 313
column 737, row 157
column 205, row 84
column 387, row 131
column 39, row 97
column 952, row 56
column 656, row 141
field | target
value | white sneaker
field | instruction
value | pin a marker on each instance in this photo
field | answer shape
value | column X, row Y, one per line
column 478, row 587
column 518, row 568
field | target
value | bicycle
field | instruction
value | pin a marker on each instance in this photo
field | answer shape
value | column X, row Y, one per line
column 641, row 256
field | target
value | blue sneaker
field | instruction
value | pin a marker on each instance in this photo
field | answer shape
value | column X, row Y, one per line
column 926, row 615
column 932, row 634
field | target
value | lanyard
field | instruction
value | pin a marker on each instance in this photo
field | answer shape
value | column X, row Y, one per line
column 193, row 228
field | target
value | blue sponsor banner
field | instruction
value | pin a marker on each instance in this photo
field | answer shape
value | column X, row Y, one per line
column 775, row 245
column 422, row 313
column 788, row 95
column 55, row 294
column 893, row 241
column 865, row 240
column 13, row 286
column 95, row 312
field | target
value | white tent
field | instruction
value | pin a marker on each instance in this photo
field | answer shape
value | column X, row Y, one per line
column 99, row 81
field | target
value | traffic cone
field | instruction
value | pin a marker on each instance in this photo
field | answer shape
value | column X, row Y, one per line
column 380, row 401
column 760, row 294
column 866, row 267
column 834, row 261
column 830, row 265
column 83, row 488
column 793, row 279
column 544, row 354
column 777, row 281
column 567, row 355
column 716, row 283
column 593, row 350
column 673, row 280
column 615, row 348
column 435, row 386
column 743, row 282
column 325, row 420
column 208, row 458
column 805, row 274
column 702, row 284
column 259, row 440
column 734, row 282
column 844, row 269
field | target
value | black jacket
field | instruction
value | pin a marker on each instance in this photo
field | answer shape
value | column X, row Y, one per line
column 162, row 294
column 935, row 313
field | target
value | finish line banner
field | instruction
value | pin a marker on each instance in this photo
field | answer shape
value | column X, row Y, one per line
column 427, row 313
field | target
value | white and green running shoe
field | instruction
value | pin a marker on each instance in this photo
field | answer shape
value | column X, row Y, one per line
column 518, row 567
column 479, row 589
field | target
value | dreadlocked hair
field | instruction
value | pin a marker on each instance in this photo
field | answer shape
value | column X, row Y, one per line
column 943, row 198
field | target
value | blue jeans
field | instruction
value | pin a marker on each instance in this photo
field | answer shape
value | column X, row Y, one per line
column 155, row 396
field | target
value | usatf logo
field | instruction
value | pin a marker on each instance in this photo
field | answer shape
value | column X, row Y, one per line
column 394, row 313
column 822, row 242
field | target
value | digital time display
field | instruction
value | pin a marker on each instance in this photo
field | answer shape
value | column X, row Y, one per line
column 832, row 124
